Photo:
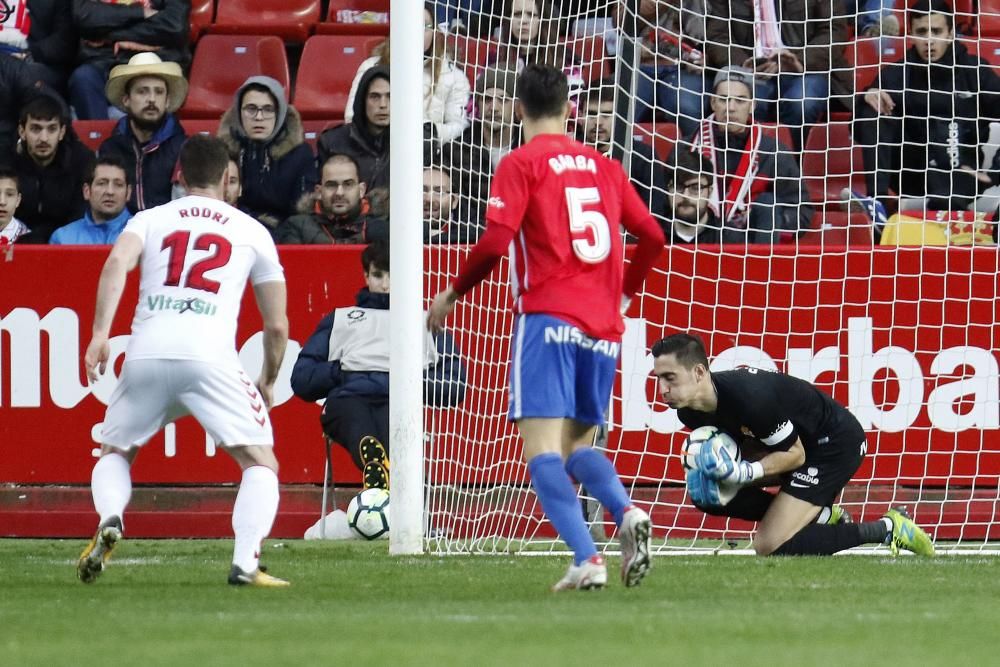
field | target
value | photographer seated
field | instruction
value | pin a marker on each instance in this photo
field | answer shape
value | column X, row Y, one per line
column 346, row 361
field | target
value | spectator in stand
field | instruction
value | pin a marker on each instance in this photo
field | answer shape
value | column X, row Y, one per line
column 41, row 34
column 671, row 83
column 51, row 164
column 18, row 85
column 446, row 88
column 787, row 44
column 346, row 362
column 112, row 33
column 493, row 133
column 923, row 123
column 11, row 229
column 440, row 209
column 690, row 218
column 336, row 212
column 234, row 184
column 277, row 166
column 107, row 190
column 533, row 32
column 756, row 189
column 149, row 138
column 366, row 138
column 595, row 122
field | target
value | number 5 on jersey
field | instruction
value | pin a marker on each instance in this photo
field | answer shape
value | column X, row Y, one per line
column 588, row 228
column 177, row 245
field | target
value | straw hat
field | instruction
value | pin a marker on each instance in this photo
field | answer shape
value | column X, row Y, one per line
column 147, row 64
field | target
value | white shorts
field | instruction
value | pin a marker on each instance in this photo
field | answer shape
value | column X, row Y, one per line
column 151, row 393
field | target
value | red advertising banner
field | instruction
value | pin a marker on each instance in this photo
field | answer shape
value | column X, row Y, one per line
column 906, row 338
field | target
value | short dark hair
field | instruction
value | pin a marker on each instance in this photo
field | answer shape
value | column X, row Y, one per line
column 340, row 157
column 684, row 164
column 43, row 107
column 377, row 253
column 204, row 160
column 542, row 90
column 922, row 8
column 688, row 349
column 598, row 92
column 109, row 160
column 9, row 174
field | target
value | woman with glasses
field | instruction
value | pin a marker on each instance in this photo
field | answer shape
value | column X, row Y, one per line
column 264, row 134
column 446, row 88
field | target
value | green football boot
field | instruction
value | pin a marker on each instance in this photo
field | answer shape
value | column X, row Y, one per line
column 907, row 535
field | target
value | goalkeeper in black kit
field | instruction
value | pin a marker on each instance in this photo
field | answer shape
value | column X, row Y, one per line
column 812, row 446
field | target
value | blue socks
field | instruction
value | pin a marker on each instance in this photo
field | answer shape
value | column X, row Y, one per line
column 598, row 476
column 558, row 498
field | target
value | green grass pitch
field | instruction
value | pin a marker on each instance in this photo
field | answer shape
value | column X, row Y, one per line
column 165, row 602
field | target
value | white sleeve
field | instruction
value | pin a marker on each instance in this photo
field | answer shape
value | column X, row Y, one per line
column 267, row 267
column 138, row 226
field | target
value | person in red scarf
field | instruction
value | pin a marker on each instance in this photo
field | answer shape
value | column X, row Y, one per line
column 756, row 185
column 336, row 212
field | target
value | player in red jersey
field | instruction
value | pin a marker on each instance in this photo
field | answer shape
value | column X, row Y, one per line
column 558, row 205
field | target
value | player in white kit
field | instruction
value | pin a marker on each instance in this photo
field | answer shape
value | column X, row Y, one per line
column 195, row 255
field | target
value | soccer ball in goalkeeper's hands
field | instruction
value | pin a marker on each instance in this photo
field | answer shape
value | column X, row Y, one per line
column 368, row 514
column 715, row 440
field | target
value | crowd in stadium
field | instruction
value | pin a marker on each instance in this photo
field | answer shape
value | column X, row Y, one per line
column 729, row 125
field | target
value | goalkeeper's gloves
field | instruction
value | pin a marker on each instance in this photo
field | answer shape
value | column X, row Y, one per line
column 720, row 464
column 704, row 490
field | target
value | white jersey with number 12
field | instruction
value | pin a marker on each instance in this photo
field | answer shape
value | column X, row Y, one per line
column 197, row 254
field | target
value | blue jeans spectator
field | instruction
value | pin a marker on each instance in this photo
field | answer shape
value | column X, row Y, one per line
column 670, row 93
column 86, row 91
column 801, row 99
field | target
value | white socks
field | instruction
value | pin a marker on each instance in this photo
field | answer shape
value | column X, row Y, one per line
column 253, row 514
column 111, row 485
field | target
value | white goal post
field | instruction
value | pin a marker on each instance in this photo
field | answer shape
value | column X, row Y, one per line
column 905, row 337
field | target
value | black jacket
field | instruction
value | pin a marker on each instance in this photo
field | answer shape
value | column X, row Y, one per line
column 52, row 196
column 152, row 164
column 52, row 39
column 102, row 25
column 472, row 170
column 311, row 227
column 948, row 107
column 370, row 151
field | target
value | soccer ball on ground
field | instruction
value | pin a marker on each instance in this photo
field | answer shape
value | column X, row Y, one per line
column 707, row 436
column 368, row 514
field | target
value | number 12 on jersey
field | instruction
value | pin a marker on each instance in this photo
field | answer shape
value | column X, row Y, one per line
column 588, row 227
column 178, row 243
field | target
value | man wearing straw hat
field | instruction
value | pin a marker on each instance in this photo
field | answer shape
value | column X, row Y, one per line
column 149, row 137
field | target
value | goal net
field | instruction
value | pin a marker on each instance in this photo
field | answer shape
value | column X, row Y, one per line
column 903, row 332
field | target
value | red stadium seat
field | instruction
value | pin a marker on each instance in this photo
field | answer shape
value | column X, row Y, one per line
column 595, row 61
column 356, row 17
column 987, row 48
column 660, row 136
column 93, row 132
column 291, row 20
column 989, row 18
column 202, row 13
column 314, row 128
column 223, row 62
column 193, row 126
column 472, row 53
column 326, row 71
column 868, row 56
column 830, row 163
column 780, row 132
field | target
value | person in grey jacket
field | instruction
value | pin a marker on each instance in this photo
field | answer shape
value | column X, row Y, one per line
column 756, row 185
column 346, row 362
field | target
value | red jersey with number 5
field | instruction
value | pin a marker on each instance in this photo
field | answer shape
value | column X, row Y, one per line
column 197, row 254
column 566, row 203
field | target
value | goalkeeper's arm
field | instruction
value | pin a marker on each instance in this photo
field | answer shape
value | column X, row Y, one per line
column 724, row 468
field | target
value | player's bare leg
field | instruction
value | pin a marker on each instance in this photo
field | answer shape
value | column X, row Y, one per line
column 785, row 517
column 253, row 514
column 598, row 475
column 111, row 488
column 557, row 496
